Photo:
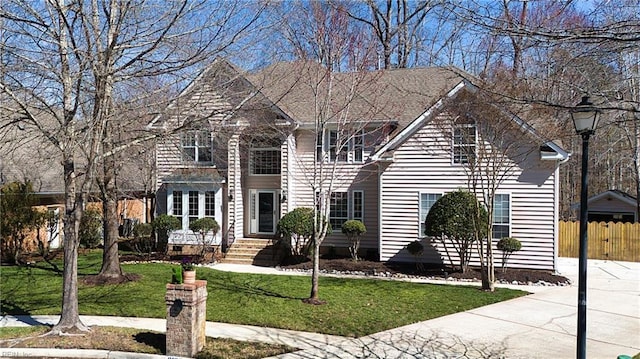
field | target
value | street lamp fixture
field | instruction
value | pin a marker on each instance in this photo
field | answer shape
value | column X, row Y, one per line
column 585, row 119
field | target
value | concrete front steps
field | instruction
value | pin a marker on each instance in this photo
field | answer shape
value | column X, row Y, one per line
column 260, row 252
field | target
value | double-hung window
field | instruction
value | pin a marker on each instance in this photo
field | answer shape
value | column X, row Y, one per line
column 341, row 146
column 427, row 200
column 344, row 206
column 501, row 216
column 464, row 143
column 197, row 147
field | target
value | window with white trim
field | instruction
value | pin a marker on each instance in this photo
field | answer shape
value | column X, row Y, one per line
column 501, row 216
column 193, row 206
column 177, row 204
column 427, row 200
column 209, row 204
column 335, row 148
column 264, row 158
column 464, row 143
column 344, row 206
column 197, row 146
column 188, row 204
column 357, row 205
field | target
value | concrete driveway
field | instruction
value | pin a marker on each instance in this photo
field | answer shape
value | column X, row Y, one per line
column 541, row 325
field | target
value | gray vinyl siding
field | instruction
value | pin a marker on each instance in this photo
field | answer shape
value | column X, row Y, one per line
column 423, row 165
column 347, row 177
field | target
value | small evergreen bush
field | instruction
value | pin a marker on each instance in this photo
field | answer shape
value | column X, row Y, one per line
column 508, row 245
column 90, row 231
column 354, row 229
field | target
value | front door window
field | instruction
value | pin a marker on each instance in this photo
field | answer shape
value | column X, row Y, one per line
column 263, row 211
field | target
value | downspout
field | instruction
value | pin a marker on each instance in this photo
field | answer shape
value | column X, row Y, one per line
column 379, row 211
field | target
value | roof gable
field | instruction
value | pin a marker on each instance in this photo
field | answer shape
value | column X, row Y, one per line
column 552, row 150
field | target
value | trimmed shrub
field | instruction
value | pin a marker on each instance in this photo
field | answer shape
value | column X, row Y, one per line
column 296, row 230
column 163, row 225
column 353, row 229
column 90, row 232
column 457, row 220
column 201, row 227
column 416, row 249
column 142, row 241
column 508, row 245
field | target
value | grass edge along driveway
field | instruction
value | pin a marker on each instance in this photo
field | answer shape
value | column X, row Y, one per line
column 355, row 307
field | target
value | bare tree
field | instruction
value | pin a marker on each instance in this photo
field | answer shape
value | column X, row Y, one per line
column 397, row 26
column 66, row 61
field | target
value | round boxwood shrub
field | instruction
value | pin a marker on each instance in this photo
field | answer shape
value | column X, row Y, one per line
column 416, row 249
column 508, row 245
column 201, row 227
column 353, row 229
column 163, row 225
column 296, row 230
column 457, row 220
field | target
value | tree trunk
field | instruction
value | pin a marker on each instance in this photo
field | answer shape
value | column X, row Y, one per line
column 489, row 278
column 110, row 259
column 315, row 274
column 70, row 316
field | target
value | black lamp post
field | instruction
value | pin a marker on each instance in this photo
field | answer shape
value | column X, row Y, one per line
column 585, row 119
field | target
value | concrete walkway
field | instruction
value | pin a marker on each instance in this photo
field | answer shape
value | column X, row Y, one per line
column 541, row 325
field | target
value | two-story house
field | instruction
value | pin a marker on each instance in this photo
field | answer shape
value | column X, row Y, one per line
column 382, row 146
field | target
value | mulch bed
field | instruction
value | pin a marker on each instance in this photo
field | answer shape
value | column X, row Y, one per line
column 408, row 270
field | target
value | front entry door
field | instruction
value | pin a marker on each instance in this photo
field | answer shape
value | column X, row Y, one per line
column 264, row 212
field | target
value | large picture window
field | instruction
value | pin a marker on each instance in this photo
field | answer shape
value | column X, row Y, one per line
column 264, row 158
column 189, row 204
column 427, row 200
column 197, row 147
column 501, row 216
column 464, row 144
column 344, row 206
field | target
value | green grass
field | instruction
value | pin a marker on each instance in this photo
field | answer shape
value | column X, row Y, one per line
column 355, row 307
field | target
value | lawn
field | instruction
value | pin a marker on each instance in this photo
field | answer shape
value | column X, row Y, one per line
column 355, row 307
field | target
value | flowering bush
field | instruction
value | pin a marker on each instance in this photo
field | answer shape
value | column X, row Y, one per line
column 187, row 264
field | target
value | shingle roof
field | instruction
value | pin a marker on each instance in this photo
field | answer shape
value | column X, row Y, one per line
column 298, row 88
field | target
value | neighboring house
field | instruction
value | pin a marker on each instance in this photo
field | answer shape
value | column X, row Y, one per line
column 26, row 156
column 611, row 206
column 243, row 149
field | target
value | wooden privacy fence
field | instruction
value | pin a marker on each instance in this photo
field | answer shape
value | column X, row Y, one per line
column 612, row 241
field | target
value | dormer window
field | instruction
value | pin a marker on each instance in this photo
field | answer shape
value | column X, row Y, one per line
column 464, row 143
column 197, row 147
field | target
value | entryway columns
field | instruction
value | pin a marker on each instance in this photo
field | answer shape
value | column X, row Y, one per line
column 234, row 186
column 186, row 318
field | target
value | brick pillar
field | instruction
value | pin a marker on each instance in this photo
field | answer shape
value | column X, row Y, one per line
column 186, row 318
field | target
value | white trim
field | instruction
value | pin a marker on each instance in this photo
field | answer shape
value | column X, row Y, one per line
column 254, row 210
column 462, row 145
column 510, row 213
column 185, row 235
column 420, row 219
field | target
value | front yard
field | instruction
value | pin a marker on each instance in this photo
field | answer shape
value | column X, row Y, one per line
column 355, row 307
